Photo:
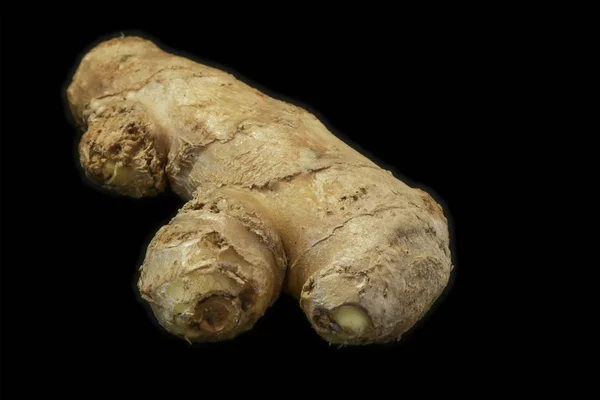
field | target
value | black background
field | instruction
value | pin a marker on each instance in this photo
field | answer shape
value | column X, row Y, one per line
column 412, row 96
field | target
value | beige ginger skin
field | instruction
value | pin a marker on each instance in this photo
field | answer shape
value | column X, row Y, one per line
column 274, row 201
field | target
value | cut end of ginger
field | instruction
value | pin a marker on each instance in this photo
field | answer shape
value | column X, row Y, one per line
column 346, row 324
column 122, row 175
column 352, row 320
column 117, row 174
column 217, row 313
column 209, row 318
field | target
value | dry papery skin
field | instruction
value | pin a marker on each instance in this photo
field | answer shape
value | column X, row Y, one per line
column 268, row 188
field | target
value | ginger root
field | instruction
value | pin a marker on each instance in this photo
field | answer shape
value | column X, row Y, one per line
column 268, row 187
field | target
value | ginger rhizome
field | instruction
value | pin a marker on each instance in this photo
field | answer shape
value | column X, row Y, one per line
column 272, row 195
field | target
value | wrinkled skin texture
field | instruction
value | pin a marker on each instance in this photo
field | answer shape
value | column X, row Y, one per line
column 268, row 187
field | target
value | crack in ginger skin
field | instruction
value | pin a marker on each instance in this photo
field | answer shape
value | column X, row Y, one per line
column 268, row 187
